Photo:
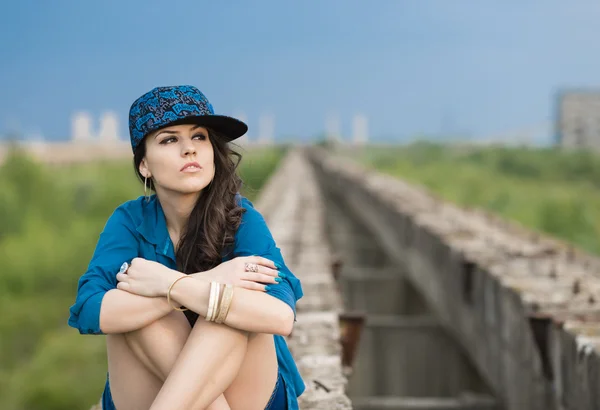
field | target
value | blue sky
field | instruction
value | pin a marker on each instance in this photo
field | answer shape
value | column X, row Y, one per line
column 412, row 66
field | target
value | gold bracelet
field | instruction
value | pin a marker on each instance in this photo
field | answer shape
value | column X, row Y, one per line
column 219, row 309
column 211, row 301
column 225, row 303
column 230, row 299
column 219, row 296
column 169, row 293
column 216, row 304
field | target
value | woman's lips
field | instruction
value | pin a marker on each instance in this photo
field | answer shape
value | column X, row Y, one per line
column 191, row 167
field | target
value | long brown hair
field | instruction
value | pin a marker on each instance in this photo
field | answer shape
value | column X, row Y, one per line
column 210, row 231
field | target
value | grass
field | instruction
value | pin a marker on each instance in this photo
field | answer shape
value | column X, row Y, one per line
column 51, row 217
column 546, row 190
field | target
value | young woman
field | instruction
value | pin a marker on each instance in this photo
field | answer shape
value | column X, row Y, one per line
column 188, row 283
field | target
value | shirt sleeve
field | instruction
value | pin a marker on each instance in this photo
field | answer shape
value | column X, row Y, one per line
column 117, row 244
column 254, row 238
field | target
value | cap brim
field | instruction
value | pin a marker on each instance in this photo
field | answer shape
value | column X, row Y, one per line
column 231, row 128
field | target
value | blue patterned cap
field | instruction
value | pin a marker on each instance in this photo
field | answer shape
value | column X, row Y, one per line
column 163, row 106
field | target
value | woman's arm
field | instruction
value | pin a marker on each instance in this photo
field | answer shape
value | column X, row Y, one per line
column 140, row 295
column 272, row 311
column 250, row 310
column 123, row 312
column 99, row 307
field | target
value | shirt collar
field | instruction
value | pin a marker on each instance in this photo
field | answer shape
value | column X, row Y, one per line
column 153, row 226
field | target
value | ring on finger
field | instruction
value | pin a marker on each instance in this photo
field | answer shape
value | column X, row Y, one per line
column 124, row 267
column 251, row 267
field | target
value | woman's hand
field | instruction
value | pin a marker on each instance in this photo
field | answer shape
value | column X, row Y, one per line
column 239, row 272
column 146, row 278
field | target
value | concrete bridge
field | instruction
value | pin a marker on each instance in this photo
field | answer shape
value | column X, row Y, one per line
column 411, row 303
column 459, row 309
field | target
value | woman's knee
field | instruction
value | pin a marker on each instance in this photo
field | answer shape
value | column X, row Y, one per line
column 257, row 374
column 173, row 327
column 158, row 345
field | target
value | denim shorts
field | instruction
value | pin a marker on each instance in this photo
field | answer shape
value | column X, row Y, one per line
column 278, row 400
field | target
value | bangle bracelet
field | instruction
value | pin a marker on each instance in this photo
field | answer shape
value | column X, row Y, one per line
column 169, row 293
column 211, row 301
column 215, row 304
column 225, row 303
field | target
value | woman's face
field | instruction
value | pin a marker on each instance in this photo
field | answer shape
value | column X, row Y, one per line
column 169, row 153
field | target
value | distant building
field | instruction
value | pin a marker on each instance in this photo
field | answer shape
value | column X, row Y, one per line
column 333, row 128
column 360, row 130
column 81, row 127
column 578, row 119
column 266, row 129
column 109, row 127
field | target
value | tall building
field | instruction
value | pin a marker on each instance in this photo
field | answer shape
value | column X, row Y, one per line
column 109, row 127
column 266, row 129
column 81, row 127
column 360, row 129
column 578, row 119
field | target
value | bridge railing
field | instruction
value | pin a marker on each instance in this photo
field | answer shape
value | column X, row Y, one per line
column 525, row 307
column 293, row 208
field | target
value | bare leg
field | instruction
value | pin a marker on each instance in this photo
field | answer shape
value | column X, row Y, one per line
column 158, row 345
column 135, row 376
column 246, row 373
column 256, row 378
column 190, row 384
column 132, row 386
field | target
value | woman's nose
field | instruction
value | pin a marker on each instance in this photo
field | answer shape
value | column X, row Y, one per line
column 188, row 148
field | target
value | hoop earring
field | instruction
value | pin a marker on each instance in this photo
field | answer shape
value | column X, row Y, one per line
column 146, row 189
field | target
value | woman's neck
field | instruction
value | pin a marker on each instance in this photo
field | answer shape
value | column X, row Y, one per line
column 177, row 209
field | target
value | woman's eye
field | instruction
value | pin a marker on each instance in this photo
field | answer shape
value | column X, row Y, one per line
column 166, row 140
column 200, row 136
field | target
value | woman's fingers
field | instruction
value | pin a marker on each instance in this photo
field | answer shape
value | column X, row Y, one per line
column 121, row 277
column 259, row 272
column 259, row 260
column 252, row 285
column 268, row 271
column 123, row 286
column 261, row 278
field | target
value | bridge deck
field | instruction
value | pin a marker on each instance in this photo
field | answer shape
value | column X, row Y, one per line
column 524, row 307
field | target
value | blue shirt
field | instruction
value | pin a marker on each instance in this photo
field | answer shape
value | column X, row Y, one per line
column 138, row 228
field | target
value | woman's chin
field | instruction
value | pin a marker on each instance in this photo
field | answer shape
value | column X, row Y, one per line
column 186, row 187
column 191, row 188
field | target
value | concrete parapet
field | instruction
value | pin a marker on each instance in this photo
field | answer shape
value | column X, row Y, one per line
column 292, row 206
column 526, row 307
